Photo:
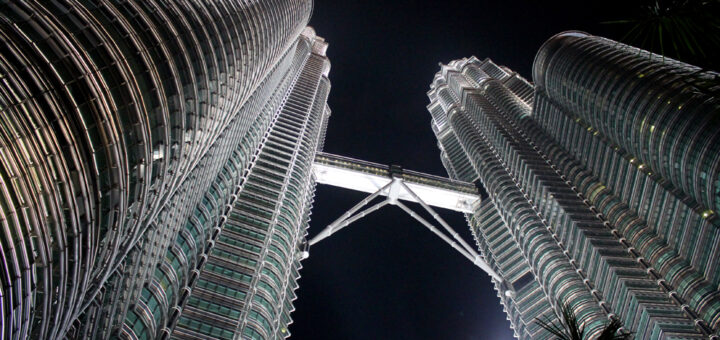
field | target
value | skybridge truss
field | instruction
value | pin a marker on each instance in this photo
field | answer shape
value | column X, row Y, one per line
column 397, row 185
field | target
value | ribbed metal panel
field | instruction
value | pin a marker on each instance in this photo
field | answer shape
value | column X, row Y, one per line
column 246, row 288
column 195, row 240
column 676, row 240
column 583, row 244
column 117, row 118
column 673, row 230
column 650, row 105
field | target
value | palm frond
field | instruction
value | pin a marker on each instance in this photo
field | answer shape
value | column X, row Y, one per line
column 687, row 30
column 568, row 330
column 553, row 328
column 610, row 332
column 572, row 323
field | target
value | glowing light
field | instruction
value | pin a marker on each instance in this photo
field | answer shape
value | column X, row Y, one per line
column 434, row 195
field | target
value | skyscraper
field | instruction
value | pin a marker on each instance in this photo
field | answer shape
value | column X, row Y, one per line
column 246, row 288
column 155, row 161
column 602, row 181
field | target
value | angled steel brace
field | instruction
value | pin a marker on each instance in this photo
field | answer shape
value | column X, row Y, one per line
column 437, row 217
column 331, row 229
column 466, row 250
column 474, row 257
column 345, row 219
column 393, row 188
column 437, row 232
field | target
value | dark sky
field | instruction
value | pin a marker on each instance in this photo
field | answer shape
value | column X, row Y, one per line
column 386, row 276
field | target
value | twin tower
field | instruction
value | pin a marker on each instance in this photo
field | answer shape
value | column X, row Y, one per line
column 159, row 163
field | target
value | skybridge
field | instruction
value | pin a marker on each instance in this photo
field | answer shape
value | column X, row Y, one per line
column 369, row 177
column 396, row 185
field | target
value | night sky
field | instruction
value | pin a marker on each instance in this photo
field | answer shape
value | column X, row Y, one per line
column 386, row 276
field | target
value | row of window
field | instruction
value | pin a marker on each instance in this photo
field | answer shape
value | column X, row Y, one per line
column 660, row 226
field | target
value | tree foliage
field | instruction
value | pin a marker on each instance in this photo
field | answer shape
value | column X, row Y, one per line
column 686, row 30
column 570, row 328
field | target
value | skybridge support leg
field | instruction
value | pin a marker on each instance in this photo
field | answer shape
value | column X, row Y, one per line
column 466, row 250
column 345, row 219
column 473, row 256
column 437, row 232
column 442, row 222
column 393, row 191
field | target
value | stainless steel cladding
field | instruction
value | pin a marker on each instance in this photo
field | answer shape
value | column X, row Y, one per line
column 116, row 120
column 602, row 179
